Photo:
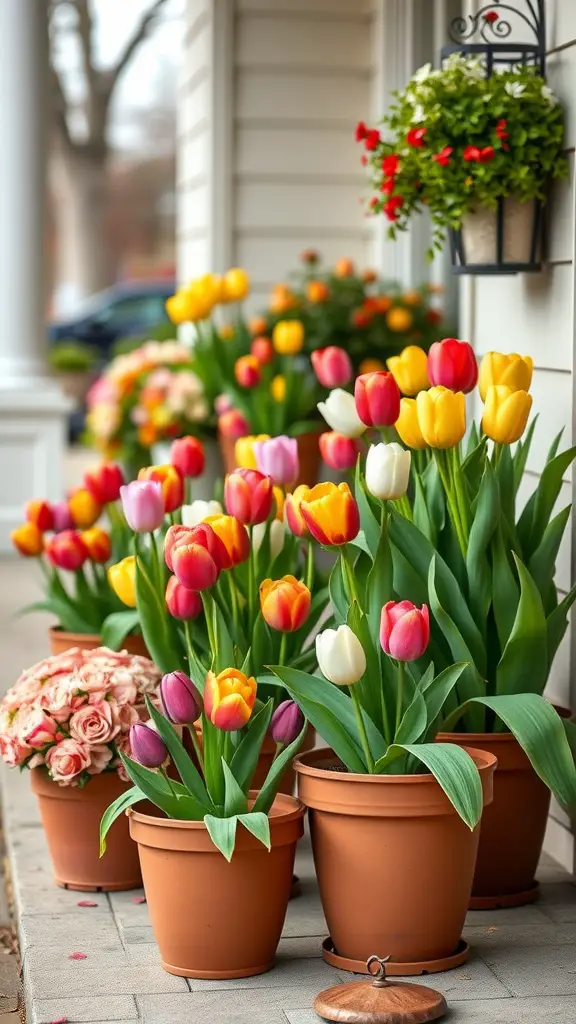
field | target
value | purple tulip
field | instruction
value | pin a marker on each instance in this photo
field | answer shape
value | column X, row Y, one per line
column 62, row 518
column 286, row 723
column 181, row 701
column 147, row 747
column 278, row 458
column 143, row 505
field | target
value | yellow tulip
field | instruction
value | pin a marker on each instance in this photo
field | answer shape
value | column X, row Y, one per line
column 84, row 509
column 244, row 450
column 407, row 425
column 288, row 337
column 441, row 416
column 235, row 285
column 410, row 370
column 507, row 368
column 278, row 388
column 279, row 498
column 177, row 307
column 505, row 413
column 201, row 298
column 122, row 579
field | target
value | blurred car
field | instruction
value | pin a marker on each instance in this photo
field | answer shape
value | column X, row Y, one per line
column 123, row 311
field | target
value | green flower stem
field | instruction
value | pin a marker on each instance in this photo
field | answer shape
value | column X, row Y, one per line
column 208, row 603
column 283, row 649
column 234, row 598
column 349, row 574
column 310, row 566
column 461, row 498
column 444, row 473
column 399, row 695
column 252, row 589
column 362, row 729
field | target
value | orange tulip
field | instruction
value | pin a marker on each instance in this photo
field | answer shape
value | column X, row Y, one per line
column 331, row 513
column 285, row 603
column 317, row 291
column 229, row 699
column 84, row 509
column 98, row 543
column 40, row 513
column 344, row 267
column 172, row 484
column 292, row 511
column 28, row 540
column 233, row 535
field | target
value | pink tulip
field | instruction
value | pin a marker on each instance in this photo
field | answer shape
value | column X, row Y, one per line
column 278, row 458
column 332, row 366
column 62, row 520
column 338, row 452
column 286, row 723
column 146, row 746
column 143, row 504
column 404, row 630
column 181, row 702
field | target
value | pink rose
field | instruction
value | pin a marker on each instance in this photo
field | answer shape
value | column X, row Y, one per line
column 12, row 752
column 125, row 691
column 124, row 715
column 67, row 760
column 93, row 724
column 100, row 758
column 37, row 729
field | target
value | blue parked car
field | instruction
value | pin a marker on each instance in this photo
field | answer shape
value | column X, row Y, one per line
column 123, row 311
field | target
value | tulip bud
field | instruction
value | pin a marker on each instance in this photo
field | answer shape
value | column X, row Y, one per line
column 410, row 370
column 199, row 511
column 41, row 514
column 331, row 514
column 98, row 543
column 337, row 451
column 62, row 520
column 247, row 371
column 286, row 723
column 122, row 579
column 146, row 746
column 293, row 513
column 235, row 285
column 187, row 455
column 182, row 603
column 229, row 699
column 28, row 540
column 233, row 424
column 277, row 537
column 248, row 496
column 505, row 414
column 83, row 508
column 377, row 399
column 263, row 350
column 285, row 603
column 441, row 416
column 509, row 369
column 332, row 366
column 340, row 656
column 244, row 453
column 171, row 481
column 339, row 411
column 387, row 470
column 407, row 425
column 181, row 702
column 104, row 482
column 67, row 550
column 452, row 364
column 143, row 505
column 404, row 630
column 278, row 457
column 288, row 337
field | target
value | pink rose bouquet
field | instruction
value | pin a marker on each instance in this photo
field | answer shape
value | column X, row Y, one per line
column 73, row 713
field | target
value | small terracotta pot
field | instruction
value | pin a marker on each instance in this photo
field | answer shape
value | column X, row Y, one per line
column 61, row 641
column 71, row 819
column 394, row 861
column 214, row 919
column 267, row 753
column 308, row 457
column 513, row 826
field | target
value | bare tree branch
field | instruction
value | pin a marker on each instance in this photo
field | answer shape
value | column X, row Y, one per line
column 133, row 43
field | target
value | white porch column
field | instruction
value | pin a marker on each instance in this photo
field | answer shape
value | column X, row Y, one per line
column 32, row 409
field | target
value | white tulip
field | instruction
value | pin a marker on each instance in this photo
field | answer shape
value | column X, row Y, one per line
column 339, row 411
column 277, row 535
column 340, row 656
column 199, row 510
column 387, row 470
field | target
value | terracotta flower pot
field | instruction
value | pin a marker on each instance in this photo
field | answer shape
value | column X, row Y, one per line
column 308, row 456
column 71, row 819
column 211, row 918
column 513, row 826
column 61, row 641
column 394, row 862
column 267, row 753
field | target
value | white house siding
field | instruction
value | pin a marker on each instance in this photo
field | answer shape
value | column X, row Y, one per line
column 534, row 315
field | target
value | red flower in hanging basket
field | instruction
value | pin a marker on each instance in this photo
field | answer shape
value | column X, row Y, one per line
column 486, row 155
column 443, row 157
column 392, row 206
column 491, row 17
column 388, row 186
column 415, row 137
column 361, row 131
column 471, row 154
column 390, row 165
column 372, row 138
column 501, row 129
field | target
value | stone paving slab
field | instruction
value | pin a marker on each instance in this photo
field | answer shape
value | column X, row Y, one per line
column 85, row 1009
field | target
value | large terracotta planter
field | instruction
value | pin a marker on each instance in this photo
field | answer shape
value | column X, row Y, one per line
column 513, row 825
column 61, row 641
column 213, row 919
column 71, row 819
column 308, row 457
column 267, row 753
column 394, row 862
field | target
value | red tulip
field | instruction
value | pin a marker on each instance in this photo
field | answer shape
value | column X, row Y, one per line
column 262, row 349
column 181, row 602
column 187, row 455
column 198, row 559
column 404, row 630
column 41, row 514
column 332, row 366
column 233, row 424
column 338, row 451
column 248, row 495
column 452, row 364
column 67, row 550
column 104, row 482
column 377, row 398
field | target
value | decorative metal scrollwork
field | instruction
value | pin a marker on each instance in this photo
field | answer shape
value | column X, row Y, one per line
column 490, row 24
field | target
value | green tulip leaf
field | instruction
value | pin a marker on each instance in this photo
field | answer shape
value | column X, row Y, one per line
column 258, row 824
column 524, row 662
column 269, row 789
column 485, row 520
column 505, row 590
column 542, row 564
column 185, row 766
column 117, row 626
column 118, row 807
column 245, row 757
column 235, row 800
column 456, row 773
column 437, row 691
column 413, row 723
column 557, row 624
column 369, row 523
column 222, row 832
column 538, row 509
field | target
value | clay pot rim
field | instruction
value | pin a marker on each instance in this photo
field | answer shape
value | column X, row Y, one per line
column 294, row 809
column 482, row 759
column 61, row 632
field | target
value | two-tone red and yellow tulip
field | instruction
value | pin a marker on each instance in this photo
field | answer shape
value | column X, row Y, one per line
column 247, row 371
column 229, row 699
column 181, row 602
column 187, row 455
column 452, row 364
column 408, row 427
column 248, row 495
column 122, row 579
column 41, row 514
column 285, row 603
column 67, row 550
column 288, row 337
column 377, row 398
column 233, row 535
column 332, row 366
column 505, row 368
column 262, row 349
column 84, row 509
column 292, row 511
column 441, row 416
column 98, row 543
column 337, row 451
column 28, row 540
column 331, row 514
column 233, row 424
column 505, row 414
column 410, row 370
column 171, row 481
column 404, row 630
column 104, row 482
column 197, row 557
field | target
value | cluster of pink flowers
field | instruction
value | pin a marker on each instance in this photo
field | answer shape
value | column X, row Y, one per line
column 73, row 712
